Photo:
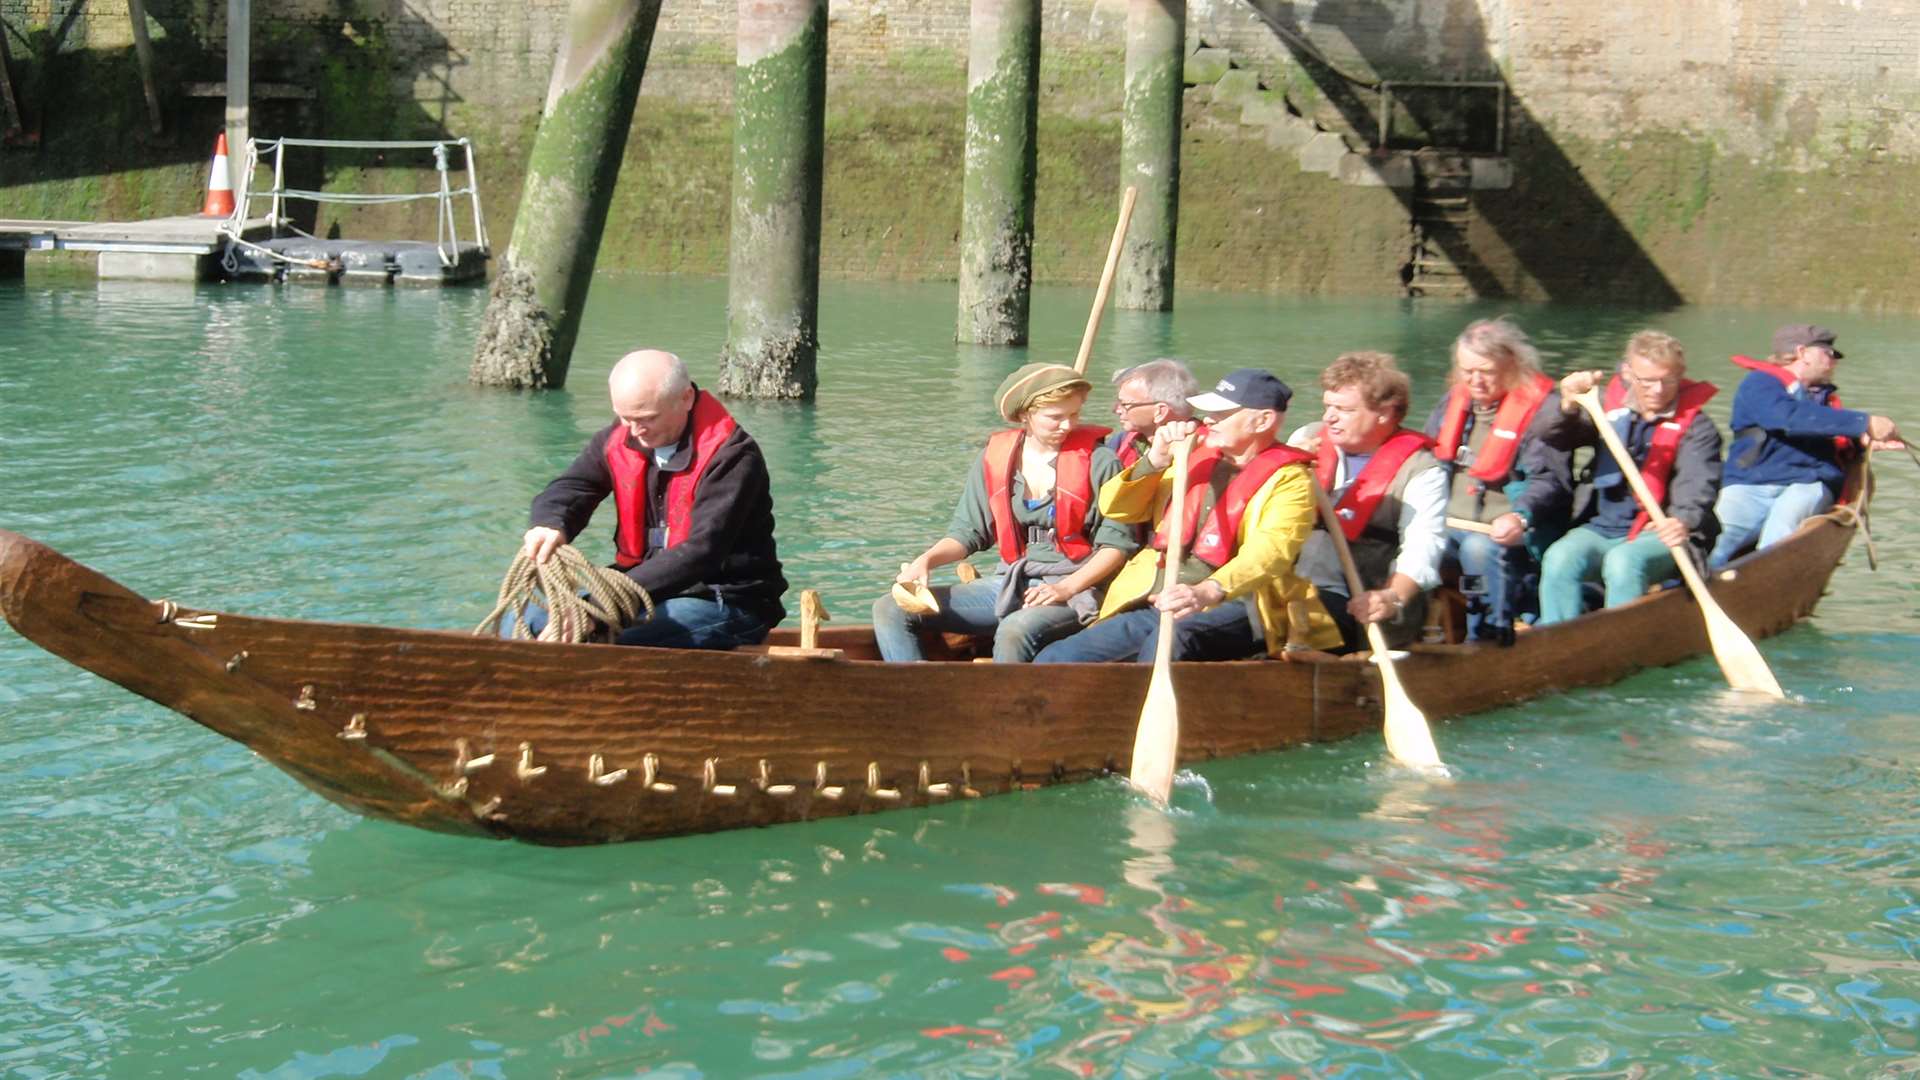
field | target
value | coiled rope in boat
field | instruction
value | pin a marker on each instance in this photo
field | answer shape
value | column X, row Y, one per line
column 584, row 602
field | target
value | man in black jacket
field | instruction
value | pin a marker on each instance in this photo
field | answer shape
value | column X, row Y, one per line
column 695, row 525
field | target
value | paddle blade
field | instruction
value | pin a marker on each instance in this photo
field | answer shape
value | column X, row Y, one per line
column 1409, row 737
column 1739, row 657
column 1156, row 743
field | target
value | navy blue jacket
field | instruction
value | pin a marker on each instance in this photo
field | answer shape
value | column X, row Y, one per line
column 1787, row 438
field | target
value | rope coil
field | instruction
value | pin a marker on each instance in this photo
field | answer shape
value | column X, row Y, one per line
column 584, row 602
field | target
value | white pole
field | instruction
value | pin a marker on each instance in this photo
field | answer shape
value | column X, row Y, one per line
column 239, row 83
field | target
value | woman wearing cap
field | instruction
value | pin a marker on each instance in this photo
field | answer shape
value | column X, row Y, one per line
column 1032, row 496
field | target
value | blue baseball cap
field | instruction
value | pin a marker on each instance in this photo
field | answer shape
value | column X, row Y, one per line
column 1247, row 388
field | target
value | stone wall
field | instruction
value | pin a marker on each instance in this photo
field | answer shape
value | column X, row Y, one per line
column 1647, row 131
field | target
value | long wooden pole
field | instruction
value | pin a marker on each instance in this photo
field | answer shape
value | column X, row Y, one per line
column 1409, row 736
column 1156, row 742
column 1739, row 658
column 1106, row 280
column 143, row 55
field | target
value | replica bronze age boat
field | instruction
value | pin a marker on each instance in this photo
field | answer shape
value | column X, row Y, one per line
column 576, row 744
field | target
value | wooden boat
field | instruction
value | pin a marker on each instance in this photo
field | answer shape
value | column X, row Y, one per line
column 574, row 744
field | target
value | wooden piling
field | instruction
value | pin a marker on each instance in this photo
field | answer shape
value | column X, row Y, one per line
column 996, row 229
column 1150, row 150
column 540, row 287
column 779, row 136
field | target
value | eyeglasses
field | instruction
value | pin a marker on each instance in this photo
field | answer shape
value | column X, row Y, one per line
column 1124, row 405
column 1670, row 380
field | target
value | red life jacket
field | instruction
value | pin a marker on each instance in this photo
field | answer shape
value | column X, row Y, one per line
column 1615, row 395
column 712, row 424
column 1217, row 542
column 1125, row 447
column 1072, row 491
column 1510, row 423
column 1843, row 447
column 1365, row 491
column 1665, row 445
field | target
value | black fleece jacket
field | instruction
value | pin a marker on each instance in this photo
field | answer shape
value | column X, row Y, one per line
column 728, row 550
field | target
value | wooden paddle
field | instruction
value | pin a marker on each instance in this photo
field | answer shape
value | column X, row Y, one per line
column 1409, row 736
column 1470, row 525
column 1741, row 662
column 1106, row 280
column 1156, row 742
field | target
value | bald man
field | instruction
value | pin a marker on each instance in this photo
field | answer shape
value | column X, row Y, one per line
column 695, row 525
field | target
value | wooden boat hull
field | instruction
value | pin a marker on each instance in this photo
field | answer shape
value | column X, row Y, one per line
column 569, row 744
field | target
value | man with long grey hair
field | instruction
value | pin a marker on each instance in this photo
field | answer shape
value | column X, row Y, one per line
column 1503, row 511
column 1145, row 397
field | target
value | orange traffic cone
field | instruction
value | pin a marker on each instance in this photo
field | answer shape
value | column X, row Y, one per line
column 220, row 184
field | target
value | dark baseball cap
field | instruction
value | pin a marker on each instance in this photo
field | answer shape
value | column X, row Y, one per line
column 1788, row 338
column 1247, row 388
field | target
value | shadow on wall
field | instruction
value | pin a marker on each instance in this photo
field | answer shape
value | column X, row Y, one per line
column 1551, row 227
column 83, row 113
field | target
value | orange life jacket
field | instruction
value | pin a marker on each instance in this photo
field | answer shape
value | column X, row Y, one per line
column 1365, row 491
column 1510, row 424
column 712, row 424
column 1072, row 491
column 1216, row 543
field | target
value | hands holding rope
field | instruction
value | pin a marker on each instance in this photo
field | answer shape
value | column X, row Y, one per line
column 584, row 602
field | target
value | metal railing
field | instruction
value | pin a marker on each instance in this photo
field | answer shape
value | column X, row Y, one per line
column 447, row 227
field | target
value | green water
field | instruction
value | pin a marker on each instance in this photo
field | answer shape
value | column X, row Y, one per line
column 1653, row 879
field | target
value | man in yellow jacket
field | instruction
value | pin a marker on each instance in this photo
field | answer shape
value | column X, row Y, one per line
column 1249, row 510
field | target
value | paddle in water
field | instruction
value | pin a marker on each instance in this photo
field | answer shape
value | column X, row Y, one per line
column 1409, row 736
column 1156, row 743
column 1739, row 659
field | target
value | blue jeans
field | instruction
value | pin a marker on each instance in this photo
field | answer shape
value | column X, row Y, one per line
column 683, row 622
column 1626, row 567
column 1218, row 633
column 1493, row 578
column 968, row 609
column 1772, row 511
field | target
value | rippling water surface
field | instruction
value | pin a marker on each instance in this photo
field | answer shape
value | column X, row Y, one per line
column 1653, row 879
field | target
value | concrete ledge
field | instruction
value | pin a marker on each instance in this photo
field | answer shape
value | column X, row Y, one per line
column 1207, row 66
column 1492, row 173
column 147, row 266
column 1236, row 87
column 1376, row 170
column 1322, row 153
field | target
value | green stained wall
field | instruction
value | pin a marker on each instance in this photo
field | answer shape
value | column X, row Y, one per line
column 1822, row 219
column 1150, row 151
column 996, row 229
column 779, row 110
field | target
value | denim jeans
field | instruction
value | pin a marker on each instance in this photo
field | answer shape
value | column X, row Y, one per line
column 683, row 622
column 1493, row 578
column 968, row 609
column 1772, row 511
column 1218, row 633
column 1626, row 568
